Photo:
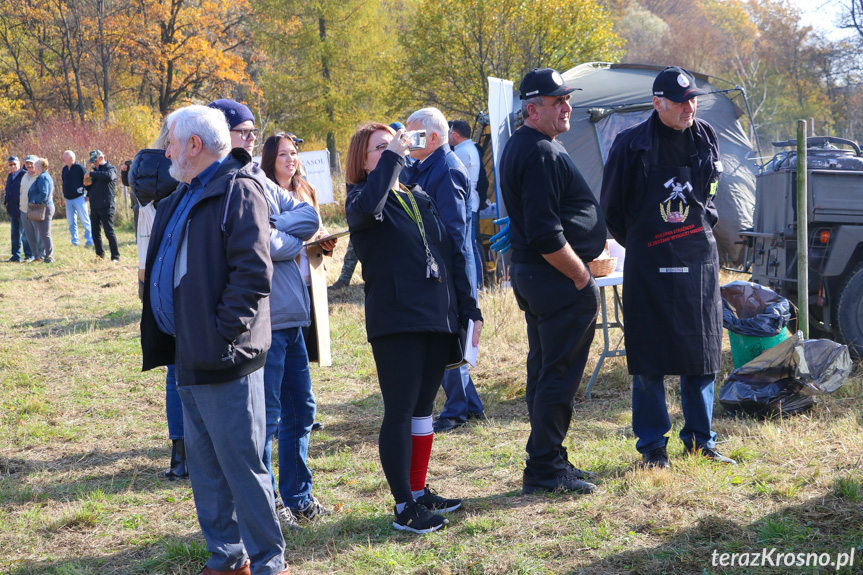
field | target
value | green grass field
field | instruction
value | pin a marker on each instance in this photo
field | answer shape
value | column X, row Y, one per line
column 83, row 441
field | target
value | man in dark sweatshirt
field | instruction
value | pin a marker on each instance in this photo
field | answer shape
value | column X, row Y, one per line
column 101, row 184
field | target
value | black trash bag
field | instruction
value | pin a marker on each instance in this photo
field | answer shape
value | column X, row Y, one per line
column 785, row 379
column 752, row 309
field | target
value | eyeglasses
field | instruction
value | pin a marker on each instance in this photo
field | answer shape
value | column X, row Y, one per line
column 244, row 134
column 379, row 148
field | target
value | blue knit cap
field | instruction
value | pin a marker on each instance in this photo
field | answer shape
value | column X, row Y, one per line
column 235, row 113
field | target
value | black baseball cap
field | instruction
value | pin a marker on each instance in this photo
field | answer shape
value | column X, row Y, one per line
column 11, row 159
column 676, row 84
column 543, row 82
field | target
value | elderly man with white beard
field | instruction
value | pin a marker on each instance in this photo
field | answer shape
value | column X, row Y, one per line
column 206, row 310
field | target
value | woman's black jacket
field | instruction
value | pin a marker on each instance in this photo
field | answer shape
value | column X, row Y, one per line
column 399, row 296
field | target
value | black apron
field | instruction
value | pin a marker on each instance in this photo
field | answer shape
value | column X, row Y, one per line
column 671, row 296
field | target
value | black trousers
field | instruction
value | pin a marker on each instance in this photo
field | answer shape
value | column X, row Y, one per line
column 561, row 322
column 99, row 218
column 410, row 368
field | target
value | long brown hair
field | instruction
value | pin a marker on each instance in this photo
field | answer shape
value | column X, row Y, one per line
column 302, row 189
column 355, row 170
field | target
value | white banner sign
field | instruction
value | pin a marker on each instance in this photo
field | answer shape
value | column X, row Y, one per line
column 499, row 112
column 317, row 165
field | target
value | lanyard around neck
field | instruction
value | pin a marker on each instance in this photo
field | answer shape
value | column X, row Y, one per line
column 413, row 213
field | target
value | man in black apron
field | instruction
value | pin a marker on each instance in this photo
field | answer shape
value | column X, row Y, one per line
column 657, row 196
column 556, row 227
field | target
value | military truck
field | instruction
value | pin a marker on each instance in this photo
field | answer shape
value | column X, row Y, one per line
column 835, row 235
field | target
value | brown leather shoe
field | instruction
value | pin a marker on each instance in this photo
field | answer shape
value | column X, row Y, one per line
column 244, row 570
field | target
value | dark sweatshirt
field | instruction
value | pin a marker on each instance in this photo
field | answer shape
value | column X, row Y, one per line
column 548, row 201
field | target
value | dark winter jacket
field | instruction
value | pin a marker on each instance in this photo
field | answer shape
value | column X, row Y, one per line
column 445, row 179
column 222, row 280
column 628, row 164
column 399, row 296
column 101, row 191
column 149, row 176
column 13, row 193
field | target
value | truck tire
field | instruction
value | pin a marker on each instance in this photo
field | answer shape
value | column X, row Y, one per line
column 849, row 312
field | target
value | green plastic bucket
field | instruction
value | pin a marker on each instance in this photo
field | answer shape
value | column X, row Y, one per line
column 745, row 348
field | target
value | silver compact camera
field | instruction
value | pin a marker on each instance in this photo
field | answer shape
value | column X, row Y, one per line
column 417, row 139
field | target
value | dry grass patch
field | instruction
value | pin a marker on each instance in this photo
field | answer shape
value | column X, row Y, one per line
column 83, row 441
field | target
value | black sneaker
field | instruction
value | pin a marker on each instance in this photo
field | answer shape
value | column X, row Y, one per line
column 655, row 459
column 434, row 502
column 312, row 510
column 709, row 453
column 566, row 482
column 444, row 424
column 580, row 473
column 416, row 518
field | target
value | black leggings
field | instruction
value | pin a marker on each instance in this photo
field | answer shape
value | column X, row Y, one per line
column 410, row 369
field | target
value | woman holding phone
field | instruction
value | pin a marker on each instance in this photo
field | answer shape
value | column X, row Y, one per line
column 417, row 297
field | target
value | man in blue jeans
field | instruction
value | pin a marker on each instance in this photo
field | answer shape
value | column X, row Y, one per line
column 76, row 198
column 206, row 310
column 657, row 195
column 439, row 172
column 11, row 199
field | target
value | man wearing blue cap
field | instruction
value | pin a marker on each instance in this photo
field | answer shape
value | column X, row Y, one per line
column 657, row 195
column 555, row 228
column 11, row 199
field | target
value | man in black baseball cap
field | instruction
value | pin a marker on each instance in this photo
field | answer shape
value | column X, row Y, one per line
column 657, row 196
column 543, row 82
column 676, row 84
column 555, row 229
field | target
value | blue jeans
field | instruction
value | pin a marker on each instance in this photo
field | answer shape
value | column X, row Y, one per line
column 461, row 395
column 650, row 420
column 225, row 426
column 74, row 209
column 173, row 406
column 290, row 410
column 477, row 249
column 19, row 238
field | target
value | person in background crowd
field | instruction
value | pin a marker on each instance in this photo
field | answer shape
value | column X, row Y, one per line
column 11, row 199
column 76, row 198
column 206, row 309
column 467, row 152
column 661, row 176
column 101, row 184
column 29, row 227
column 41, row 192
column 149, row 176
column 291, row 403
column 417, row 296
column 555, row 228
column 440, row 174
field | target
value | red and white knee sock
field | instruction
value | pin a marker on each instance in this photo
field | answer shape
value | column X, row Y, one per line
column 422, row 436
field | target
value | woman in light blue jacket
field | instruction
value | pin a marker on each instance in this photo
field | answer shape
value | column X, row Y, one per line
column 42, row 192
column 287, row 384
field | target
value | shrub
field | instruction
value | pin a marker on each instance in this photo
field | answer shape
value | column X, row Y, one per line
column 133, row 129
